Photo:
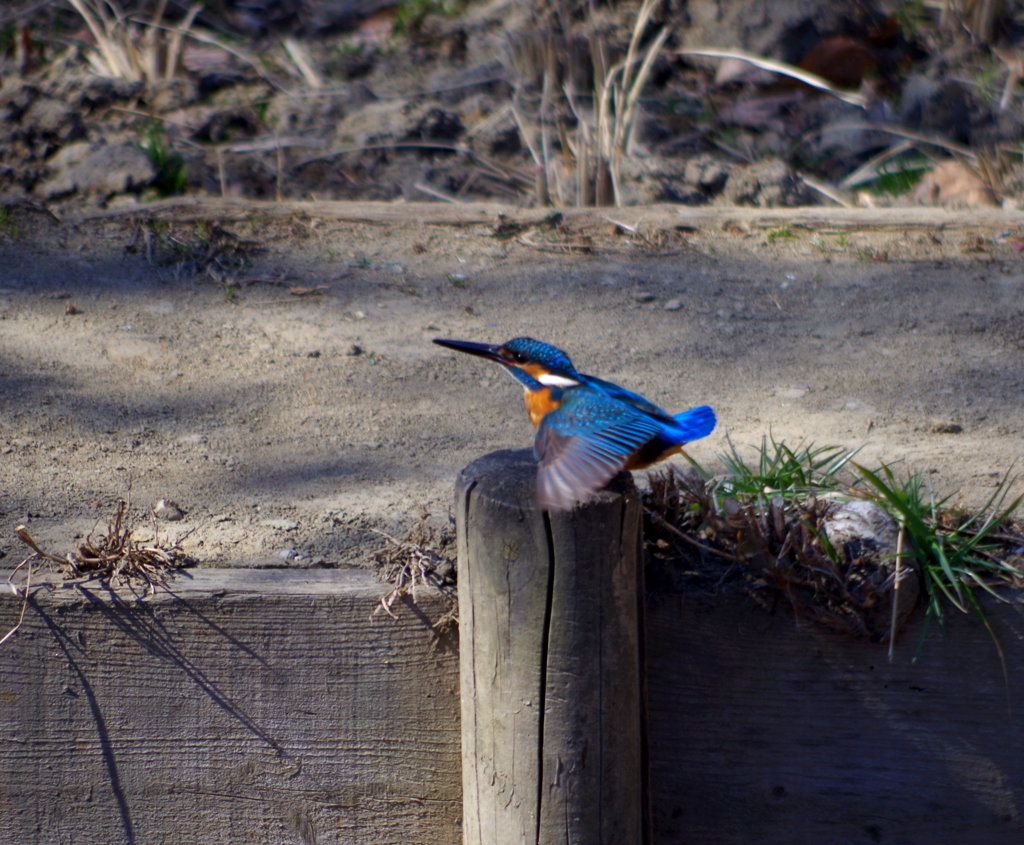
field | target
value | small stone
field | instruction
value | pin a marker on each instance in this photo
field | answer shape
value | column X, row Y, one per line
column 947, row 428
column 868, row 538
column 285, row 554
column 168, row 510
column 282, row 524
column 644, row 296
column 52, row 119
column 103, row 170
column 354, row 350
column 707, row 173
column 673, row 305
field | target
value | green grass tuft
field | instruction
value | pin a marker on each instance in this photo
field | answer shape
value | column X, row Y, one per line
column 956, row 551
column 170, row 167
column 778, row 469
column 8, row 226
column 745, row 514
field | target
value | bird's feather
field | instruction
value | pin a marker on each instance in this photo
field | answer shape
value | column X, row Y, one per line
column 586, row 442
column 695, row 423
column 628, row 397
column 685, row 427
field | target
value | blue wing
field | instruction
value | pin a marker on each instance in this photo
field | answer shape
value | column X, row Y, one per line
column 585, row 443
column 614, row 391
column 682, row 428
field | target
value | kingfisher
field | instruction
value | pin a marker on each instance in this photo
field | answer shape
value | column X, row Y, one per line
column 588, row 429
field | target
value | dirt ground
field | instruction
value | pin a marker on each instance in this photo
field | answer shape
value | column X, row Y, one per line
column 286, row 395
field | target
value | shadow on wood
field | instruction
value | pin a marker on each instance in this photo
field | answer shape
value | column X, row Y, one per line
column 265, row 706
column 769, row 732
column 549, row 608
column 238, row 706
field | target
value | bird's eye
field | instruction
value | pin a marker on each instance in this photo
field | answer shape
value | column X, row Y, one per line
column 516, row 357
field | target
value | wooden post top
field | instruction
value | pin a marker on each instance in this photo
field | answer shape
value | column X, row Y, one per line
column 509, row 477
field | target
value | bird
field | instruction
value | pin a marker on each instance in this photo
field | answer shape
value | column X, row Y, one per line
column 588, row 429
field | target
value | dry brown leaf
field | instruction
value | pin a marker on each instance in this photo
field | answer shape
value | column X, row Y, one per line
column 953, row 182
column 316, row 290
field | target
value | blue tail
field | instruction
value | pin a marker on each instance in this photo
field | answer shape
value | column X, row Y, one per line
column 695, row 423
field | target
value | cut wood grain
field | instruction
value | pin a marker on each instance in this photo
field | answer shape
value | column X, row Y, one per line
column 550, row 661
column 234, row 707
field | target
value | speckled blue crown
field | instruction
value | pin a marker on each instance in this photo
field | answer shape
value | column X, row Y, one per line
column 549, row 356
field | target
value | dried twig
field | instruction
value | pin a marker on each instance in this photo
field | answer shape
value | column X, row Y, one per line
column 113, row 555
column 897, row 577
column 825, row 189
column 868, row 171
column 23, row 591
column 300, row 56
column 917, row 137
column 431, row 191
column 408, row 564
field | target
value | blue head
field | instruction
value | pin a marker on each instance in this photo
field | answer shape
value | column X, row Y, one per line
column 533, row 363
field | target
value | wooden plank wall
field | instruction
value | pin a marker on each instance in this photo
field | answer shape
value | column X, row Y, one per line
column 266, row 707
column 240, row 707
column 765, row 733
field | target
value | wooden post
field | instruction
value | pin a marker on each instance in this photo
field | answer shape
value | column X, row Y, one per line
column 550, row 618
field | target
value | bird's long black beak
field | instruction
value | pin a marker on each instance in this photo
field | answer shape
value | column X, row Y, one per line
column 482, row 350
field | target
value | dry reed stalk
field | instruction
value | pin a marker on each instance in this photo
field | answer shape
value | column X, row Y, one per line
column 617, row 94
column 782, row 68
column 130, row 49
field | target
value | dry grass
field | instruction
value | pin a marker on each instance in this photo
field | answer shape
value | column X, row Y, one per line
column 203, row 247
column 114, row 556
column 130, row 49
column 150, row 51
column 854, row 554
column 780, row 546
column 618, row 97
column 414, row 562
column 595, row 128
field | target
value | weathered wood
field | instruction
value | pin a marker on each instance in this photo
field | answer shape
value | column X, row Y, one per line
column 235, row 707
column 762, row 731
column 227, row 209
column 265, row 706
column 549, row 609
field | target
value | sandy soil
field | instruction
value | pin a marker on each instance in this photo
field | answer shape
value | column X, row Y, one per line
column 233, row 389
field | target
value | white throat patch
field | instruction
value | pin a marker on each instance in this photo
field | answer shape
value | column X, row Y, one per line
column 552, row 380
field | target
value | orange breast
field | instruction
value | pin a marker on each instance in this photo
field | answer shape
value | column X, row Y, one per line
column 637, row 462
column 539, row 404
